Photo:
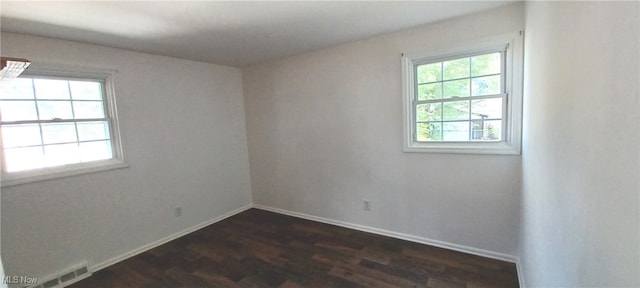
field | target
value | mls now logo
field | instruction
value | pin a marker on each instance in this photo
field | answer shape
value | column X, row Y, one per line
column 24, row 280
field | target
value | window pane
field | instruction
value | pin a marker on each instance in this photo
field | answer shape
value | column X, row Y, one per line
column 88, row 109
column 21, row 135
column 457, row 110
column 489, row 85
column 486, row 108
column 485, row 64
column 455, row 131
column 51, row 89
column 429, row 131
column 58, row 133
column 88, row 131
column 429, row 112
column 56, row 155
column 487, row 130
column 54, row 109
column 458, row 88
column 20, row 159
column 429, row 91
column 85, row 90
column 429, row 73
column 91, row 151
column 19, row 88
column 455, row 69
column 18, row 110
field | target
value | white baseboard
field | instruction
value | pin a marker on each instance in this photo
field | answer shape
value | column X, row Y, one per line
column 403, row 236
column 164, row 240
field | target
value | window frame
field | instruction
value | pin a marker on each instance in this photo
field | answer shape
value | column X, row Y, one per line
column 109, row 102
column 510, row 144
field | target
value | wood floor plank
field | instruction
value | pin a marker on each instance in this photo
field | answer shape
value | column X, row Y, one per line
column 257, row 248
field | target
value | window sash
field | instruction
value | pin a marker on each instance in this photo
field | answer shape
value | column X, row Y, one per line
column 502, row 95
column 456, row 99
column 107, row 107
column 453, row 79
column 54, row 121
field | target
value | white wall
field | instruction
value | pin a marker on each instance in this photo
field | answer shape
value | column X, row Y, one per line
column 325, row 131
column 183, row 133
column 581, row 145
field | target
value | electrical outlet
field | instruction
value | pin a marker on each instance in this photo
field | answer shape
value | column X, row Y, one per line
column 366, row 205
column 178, row 211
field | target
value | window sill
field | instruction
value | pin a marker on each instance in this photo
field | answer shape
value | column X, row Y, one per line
column 26, row 177
column 499, row 148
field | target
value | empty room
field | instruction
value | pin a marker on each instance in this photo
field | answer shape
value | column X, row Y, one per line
column 320, row 144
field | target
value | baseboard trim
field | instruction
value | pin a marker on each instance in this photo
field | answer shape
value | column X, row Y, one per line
column 164, row 240
column 397, row 235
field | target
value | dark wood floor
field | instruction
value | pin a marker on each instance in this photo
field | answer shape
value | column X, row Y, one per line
column 257, row 248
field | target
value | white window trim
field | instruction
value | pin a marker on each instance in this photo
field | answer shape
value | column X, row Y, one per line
column 511, row 144
column 48, row 173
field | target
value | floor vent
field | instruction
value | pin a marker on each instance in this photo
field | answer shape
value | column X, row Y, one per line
column 65, row 278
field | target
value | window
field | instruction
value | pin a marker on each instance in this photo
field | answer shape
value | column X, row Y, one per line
column 57, row 123
column 465, row 100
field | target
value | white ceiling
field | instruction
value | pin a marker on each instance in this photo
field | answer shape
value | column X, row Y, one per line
column 236, row 33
